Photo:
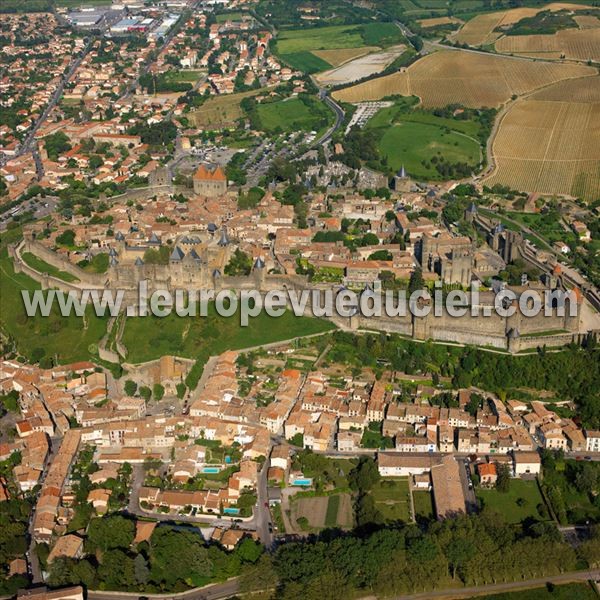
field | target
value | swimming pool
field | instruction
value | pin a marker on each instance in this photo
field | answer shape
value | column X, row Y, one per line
column 210, row 470
column 303, row 482
column 231, row 511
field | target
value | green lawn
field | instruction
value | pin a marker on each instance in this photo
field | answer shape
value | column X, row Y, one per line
column 232, row 16
column 392, row 499
column 333, row 506
column 148, row 338
column 381, row 34
column 306, row 61
column 319, row 38
column 507, row 504
column 411, row 144
column 294, row 115
column 418, row 139
column 43, row 267
column 423, row 504
column 68, row 339
column 570, row 591
column 183, row 76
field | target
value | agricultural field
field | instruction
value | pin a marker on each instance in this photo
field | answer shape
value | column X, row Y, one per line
column 481, row 31
column 574, row 44
column 473, row 80
column 550, row 142
column 220, row 111
column 438, row 21
column 520, row 502
column 360, row 67
column 300, row 48
column 392, row 499
column 320, row 512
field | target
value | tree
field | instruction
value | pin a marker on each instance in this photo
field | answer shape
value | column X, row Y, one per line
column 111, row 532
column 249, row 551
column 365, row 475
column 239, row 264
column 381, row 255
column 145, row 392
column 181, row 389
column 66, row 238
column 192, row 556
column 416, row 282
column 130, row 387
column 158, row 391
column 503, row 480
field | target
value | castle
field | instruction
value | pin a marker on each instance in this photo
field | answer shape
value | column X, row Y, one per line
column 210, row 182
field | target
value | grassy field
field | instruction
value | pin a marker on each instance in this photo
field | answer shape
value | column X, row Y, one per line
column 410, row 144
column 321, row 512
column 183, row 76
column 232, row 16
column 220, row 111
column 43, row 267
column 423, row 504
column 581, row 591
column 392, row 499
column 306, row 61
column 517, row 504
column 319, row 38
column 333, row 507
column 294, row 115
column 68, row 339
column 151, row 337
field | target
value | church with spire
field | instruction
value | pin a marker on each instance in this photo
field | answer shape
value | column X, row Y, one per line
column 402, row 182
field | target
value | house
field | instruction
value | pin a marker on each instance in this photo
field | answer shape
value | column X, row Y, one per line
column 488, row 474
column 348, row 441
column 70, row 546
column 592, row 441
column 99, row 500
column 527, row 463
column 448, row 491
column 422, row 482
column 43, row 593
column 393, row 464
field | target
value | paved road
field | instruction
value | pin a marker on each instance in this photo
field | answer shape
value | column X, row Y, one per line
column 339, row 118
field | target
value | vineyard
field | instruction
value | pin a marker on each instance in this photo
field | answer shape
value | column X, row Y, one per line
column 437, row 21
column 550, row 143
column 480, row 31
column 576, row 44
column 474, row 80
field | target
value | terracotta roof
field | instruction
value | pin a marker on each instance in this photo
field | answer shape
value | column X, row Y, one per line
column 205, row 174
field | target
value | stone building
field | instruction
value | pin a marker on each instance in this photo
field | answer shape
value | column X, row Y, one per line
column 210, row 182
column 449, row 257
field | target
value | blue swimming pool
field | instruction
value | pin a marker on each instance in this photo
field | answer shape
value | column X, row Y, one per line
column 231, row 511
column 211, row 470
column 303, row 482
